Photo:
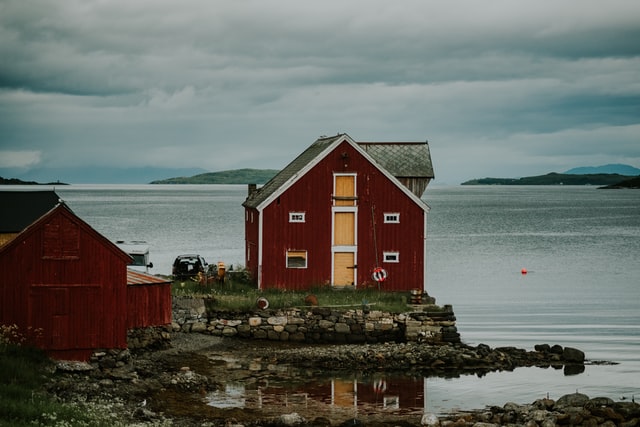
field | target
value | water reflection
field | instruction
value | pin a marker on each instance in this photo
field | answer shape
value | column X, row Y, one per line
column 351, row 396
column 282, row 389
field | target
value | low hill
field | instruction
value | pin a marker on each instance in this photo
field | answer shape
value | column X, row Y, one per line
column 236, row 176
column 618, row 168
column 553, row 179
column 16, row 181
column 627, row 183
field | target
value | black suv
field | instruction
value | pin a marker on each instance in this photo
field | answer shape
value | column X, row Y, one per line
column 188, row 266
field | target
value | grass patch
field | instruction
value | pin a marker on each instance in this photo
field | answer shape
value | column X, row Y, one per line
column 24, row 371
column 240, row 295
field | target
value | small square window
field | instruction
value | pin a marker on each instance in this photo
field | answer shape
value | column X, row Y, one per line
column 296, row 259
column 391, row 402
column 392, row 218
column 296, row 217
column 391, row 256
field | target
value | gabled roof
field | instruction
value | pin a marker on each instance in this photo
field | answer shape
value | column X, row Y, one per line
column 377, row 153
column 19, row 209
column 59, row 207
column 402, row 159
column 290, row 171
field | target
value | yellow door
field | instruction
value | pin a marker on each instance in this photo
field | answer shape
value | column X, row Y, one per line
column 345, row 191
column 343, row 269
column 344, row 228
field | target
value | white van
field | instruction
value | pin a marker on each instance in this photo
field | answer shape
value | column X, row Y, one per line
column 139, row 251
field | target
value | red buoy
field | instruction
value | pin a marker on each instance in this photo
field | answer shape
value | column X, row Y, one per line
column 523, row 271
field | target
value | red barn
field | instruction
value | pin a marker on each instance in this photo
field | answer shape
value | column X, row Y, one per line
column 338, row 212
column 64, row 283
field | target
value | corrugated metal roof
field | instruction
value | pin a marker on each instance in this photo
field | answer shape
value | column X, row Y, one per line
column 139, row 278
column 401, row 159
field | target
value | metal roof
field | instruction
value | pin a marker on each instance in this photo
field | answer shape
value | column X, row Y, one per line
column 139, row 278
column 400, row 159
column 19, row 209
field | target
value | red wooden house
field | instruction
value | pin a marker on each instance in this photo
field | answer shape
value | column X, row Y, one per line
column 338, row 212
column 64, row 284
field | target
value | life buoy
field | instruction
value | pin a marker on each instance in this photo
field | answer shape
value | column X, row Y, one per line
column 379, row 386
column 379, row 274
column 262, row 303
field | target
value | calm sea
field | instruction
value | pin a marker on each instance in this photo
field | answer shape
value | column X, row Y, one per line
column 579, row 245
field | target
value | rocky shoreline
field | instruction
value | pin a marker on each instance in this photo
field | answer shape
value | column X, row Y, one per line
column 172, row 381
column 432, row 359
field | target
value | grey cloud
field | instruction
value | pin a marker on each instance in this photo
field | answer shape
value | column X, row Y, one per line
column 145, row 77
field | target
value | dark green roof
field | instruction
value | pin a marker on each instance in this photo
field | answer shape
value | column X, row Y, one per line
column 19, row 209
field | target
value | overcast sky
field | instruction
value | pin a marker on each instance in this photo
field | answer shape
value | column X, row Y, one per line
column 498, row 88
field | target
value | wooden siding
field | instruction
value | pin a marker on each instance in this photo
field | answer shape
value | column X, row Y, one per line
column 148, row 305
column 251, row 229
column 76, row 297
column 312, row 194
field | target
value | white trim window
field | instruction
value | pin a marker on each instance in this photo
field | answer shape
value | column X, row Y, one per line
column 297, row 217
column 391, row 257
column 296, row 259
column 392, row 218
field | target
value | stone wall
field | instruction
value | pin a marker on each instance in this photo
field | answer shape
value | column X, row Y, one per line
column 428, row 323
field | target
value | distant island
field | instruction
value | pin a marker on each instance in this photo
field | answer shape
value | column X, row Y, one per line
column 15, row 181
column 613, row 175
column 627, row 183
column 554, row 178
column 236, row 176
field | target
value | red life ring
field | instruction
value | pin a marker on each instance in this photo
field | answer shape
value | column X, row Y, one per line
column 379, row 274
column 379, row 386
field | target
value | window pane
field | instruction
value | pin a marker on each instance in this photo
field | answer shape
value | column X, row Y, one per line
column 391, row 218
column 296, row 217
column 296, row 259
column 391, row 256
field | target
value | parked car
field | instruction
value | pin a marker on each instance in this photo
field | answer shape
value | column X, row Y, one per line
column 188, row 266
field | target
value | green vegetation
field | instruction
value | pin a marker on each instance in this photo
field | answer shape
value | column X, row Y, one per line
column 24, row 371
column 237, row 294
column 236, row 176
column 553, row 179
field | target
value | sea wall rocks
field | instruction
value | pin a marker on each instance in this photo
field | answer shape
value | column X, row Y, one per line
column 446, row 359
column 431, row 324
column 575, row 409
column 394, row 341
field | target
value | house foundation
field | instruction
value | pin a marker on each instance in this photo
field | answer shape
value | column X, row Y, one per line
column 426, row 323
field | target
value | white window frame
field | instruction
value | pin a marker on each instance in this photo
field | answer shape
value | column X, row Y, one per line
column 297, row 217
column 391, row 256
column 392, row 217
column 306, row 258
